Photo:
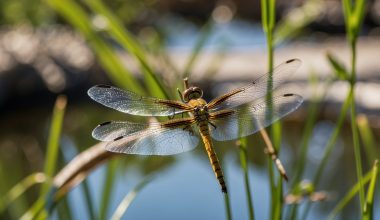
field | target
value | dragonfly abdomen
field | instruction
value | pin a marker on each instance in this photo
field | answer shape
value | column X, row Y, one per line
column 205, row 134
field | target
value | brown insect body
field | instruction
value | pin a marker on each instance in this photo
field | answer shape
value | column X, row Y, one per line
column 201, row 116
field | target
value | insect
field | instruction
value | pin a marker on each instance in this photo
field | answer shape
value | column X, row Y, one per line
column 238, row 113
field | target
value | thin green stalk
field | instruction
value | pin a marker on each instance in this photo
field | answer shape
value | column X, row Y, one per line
column 20, row 188
column 304, row 148
column 107, row 189
column 53, row 141
column 64, row 211
column 368, row 139
column 89, row 200
column 121, row 35
column 279, row 199
column 128, row 199
column 244, row 166
column 276, row 192
column 34, row 211
column 350, row 195
column 368, row 208
column 355, row 135
column 79, row 19
column 37, row 210
column 329, row 147
column 205, row 33
column 228, row 206
column 268, row 21
column 353, row 14
column 308, row 130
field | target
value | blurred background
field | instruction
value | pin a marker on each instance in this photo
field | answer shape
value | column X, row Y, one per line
column 49, row 48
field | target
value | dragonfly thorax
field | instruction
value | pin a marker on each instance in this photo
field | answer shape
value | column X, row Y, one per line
column 192, row 93
column 200, row 111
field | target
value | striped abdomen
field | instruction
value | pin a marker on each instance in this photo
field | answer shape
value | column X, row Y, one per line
column 205, row 134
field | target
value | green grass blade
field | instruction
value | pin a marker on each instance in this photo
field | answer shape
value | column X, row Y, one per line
column 340, row 70
column 350, row 195
column 329, row 147
column 129, row 198
column 272, row 13
column 268, row 11
column 107, row 188
column 297, row 19
column 308, row 129
column 244, row 166
column 332, row 140
column 367, row 138
column 53, row 142
column 358, row 15
column 127, row 41
column 268, row 14
column 205, row 34
column 64, row 210
column 264, row 15
column 78, row 18
column 347, row 10
column 357, row 154
column 368, row 207
column 20, row 188
column 89, row 200
column 228, row 206
column 37, row 210
column 276, row 133
column 311, row 119
column 34, row 211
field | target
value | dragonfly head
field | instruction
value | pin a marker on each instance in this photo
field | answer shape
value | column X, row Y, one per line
column 192, row 93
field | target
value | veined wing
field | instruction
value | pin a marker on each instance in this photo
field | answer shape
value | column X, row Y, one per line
column 255, row 89
column 172, row 137
column 131, row 103
column 251, row 117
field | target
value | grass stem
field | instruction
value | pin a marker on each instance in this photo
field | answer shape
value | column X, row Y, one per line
column 228, row 206
column 244, row 166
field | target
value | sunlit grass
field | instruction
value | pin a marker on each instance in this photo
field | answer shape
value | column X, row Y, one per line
column 128, row 199
column 370, row 176
column 38, row 209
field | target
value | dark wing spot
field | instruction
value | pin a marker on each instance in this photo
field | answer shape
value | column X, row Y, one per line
column 288, row 94
column 103, row 86
column 105, row 123
column 118, row 138
column 289, row 61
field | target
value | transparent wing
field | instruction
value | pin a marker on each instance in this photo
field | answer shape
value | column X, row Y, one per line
column 131, row 103
column 257, row 88
column 251, row 117
column 172, row 137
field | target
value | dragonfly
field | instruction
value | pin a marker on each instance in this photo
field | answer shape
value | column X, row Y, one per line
column 238, row 113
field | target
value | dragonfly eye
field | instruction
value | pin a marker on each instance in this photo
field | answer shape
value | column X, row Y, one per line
column 192, row 93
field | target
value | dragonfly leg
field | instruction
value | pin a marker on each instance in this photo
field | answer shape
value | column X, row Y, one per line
column 189, row 129
column 172, row 115
column 180, row 95
column 212, row 124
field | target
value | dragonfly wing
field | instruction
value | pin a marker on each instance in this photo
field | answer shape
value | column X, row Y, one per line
column 172, row 137
column 132, row 103
column 251, row 117
column 109, row 131
column 257, row 88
